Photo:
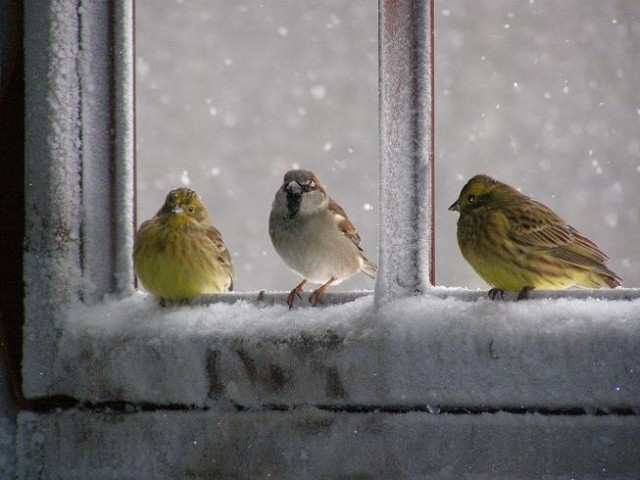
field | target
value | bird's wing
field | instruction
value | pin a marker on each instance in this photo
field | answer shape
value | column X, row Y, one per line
column 222, row 254
column 538, row 227
column 344, row 224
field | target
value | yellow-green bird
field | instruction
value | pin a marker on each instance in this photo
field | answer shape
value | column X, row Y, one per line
column 516, row 243
column 178, row 254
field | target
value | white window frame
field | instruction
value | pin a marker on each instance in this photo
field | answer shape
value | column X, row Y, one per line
column 80, row 224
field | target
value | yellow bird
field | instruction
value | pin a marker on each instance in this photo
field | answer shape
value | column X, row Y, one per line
column 178, row 254
column 516, row 243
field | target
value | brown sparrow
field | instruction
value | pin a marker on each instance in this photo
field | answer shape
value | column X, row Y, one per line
column 314, row 236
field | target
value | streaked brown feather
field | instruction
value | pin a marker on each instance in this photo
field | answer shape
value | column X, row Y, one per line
column 223, row 254
column 533, row 225
column 344, row 224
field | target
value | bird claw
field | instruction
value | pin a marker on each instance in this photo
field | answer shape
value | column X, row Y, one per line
column 296, row 292
column 494, row 292
column 318, row 293
column 316, row 297
column 524, row 293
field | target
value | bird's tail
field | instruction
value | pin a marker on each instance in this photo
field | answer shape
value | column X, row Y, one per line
column 369, row 268
column 609, row 279
column 600, row 277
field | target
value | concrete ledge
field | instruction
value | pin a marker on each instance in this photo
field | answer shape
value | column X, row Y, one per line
column 311, row 443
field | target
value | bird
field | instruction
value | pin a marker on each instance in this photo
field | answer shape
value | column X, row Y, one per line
column 314, row 236
column 178, row 254
column 516, row 243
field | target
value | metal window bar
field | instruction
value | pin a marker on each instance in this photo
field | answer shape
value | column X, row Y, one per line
column 406, row 116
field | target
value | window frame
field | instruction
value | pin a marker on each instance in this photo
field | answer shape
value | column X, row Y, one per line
column 79, row 168
column 80, row 191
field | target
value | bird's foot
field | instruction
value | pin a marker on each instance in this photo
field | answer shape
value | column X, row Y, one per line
column 524, row 293
column 296, row 292
column 494, row 292
column 316, row 297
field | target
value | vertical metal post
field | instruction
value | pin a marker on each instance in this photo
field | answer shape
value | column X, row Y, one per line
column 124, row 143
column 406, row 73
column 105, row 64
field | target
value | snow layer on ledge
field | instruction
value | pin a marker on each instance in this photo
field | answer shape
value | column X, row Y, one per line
column 434, row 349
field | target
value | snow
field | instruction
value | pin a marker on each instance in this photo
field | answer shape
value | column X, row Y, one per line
column 448, row 348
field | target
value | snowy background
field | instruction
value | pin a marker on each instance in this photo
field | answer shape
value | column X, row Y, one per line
column 540, row 94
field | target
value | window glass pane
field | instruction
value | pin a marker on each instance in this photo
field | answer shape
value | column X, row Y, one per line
column 230, row 95
column 541, row 95
column 544, row 96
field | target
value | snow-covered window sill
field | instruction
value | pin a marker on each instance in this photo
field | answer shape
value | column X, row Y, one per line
column 89, row 336
column 447, row 349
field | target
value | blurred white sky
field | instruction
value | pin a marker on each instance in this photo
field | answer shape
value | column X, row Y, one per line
column 540, row 94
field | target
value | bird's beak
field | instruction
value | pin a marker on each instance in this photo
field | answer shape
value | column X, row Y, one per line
column 294, row 187
column 177, row 209
column 455, row 207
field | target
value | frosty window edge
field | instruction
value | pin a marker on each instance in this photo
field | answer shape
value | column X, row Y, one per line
column 406, row 120
column 78, row 167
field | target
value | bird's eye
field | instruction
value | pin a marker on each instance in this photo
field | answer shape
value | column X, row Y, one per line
column 471, row 198
column 190, row 209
